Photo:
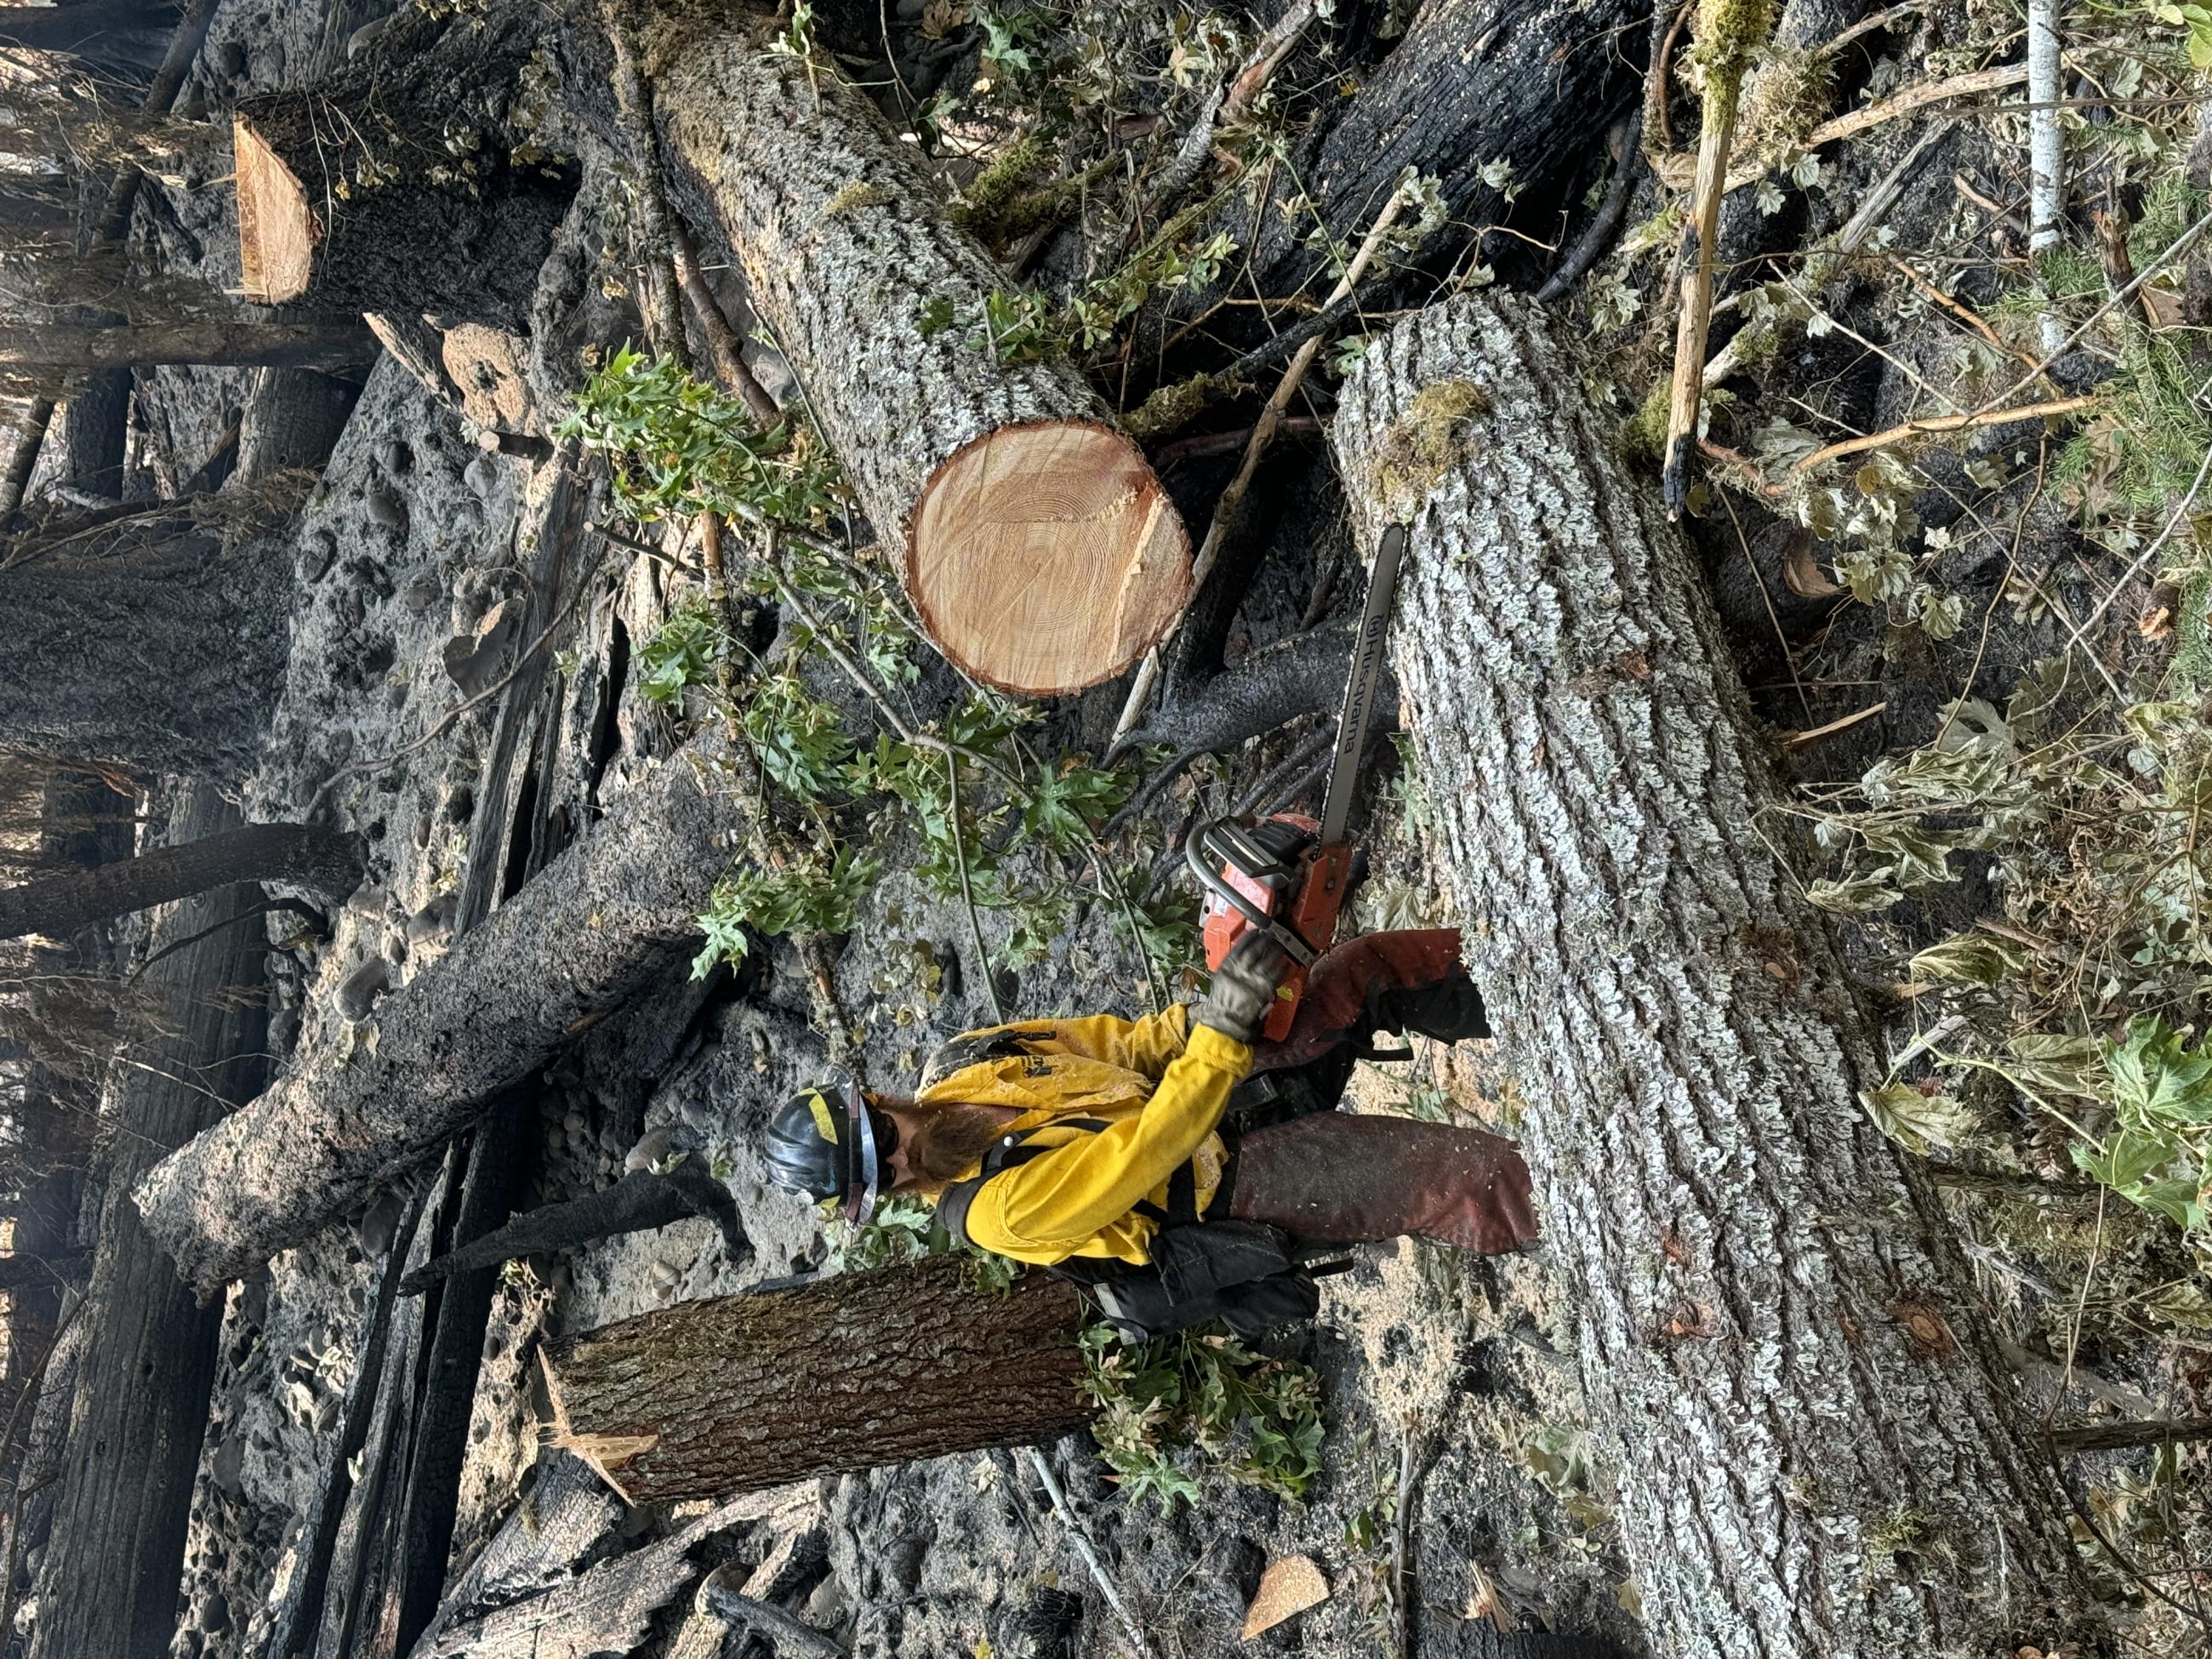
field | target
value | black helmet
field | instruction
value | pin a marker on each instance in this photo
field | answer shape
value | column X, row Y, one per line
column 823, row 1142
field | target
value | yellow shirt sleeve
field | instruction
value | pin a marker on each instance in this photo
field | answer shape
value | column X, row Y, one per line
column 1047, row 1208
column 1148, row 1046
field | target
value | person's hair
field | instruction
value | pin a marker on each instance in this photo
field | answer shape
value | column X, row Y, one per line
column 945, row 1143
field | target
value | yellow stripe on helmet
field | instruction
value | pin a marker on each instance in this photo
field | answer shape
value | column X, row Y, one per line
column 825, row 1119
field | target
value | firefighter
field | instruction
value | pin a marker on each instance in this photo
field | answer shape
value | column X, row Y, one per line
column 1074, row 1143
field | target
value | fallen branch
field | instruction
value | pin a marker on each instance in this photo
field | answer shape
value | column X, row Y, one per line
column 1263, row 434
column 723, row 341
column 2127, row 1436
column 1225, row 104
column 1729, row 33
column 781, row 1630
column 1889, row 435
column 1079, row 1536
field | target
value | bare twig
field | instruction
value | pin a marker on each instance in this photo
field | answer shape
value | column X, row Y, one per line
column 2127, row 1436
column 1263, row 434
column 1223, row 105
column 1890, row 435
column 1728, row 32
column 1401, row 1589
column 1222, row 443
column 1792, row 739
column 1079, row 1536
column 1597, row 236
column 967, row 895
column 723, row 341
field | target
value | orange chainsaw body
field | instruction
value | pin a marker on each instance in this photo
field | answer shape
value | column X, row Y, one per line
column 1305, row 897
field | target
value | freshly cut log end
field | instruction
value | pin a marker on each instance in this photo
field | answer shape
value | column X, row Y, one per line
column 1046, row 558
column 277, row 231
column 1040, row 551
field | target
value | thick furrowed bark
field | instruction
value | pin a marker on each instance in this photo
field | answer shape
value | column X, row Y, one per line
column 1040, row 549
column 237, row 345
column 117, row 1552
column 709, row 1399
column 604, row 921
column 323, row 860
column 1821, row 1451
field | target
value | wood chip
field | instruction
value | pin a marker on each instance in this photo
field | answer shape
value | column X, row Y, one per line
column 1289, row 1586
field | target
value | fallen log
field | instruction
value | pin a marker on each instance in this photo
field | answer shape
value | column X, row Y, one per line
column 608, row 1609
column 412, row 181
column 640, row 1200
column 116, row 1550
column 1040, row 551
column 325, row 861
column 1533, row 84
column 1820, row 1451
column 615, row 912
column 566, row 1514
column 708, row 1398
column 234, row 346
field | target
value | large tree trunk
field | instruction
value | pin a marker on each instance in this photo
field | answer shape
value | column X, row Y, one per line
column 166, row 656
column 1039, row 550
column 414, row 181
column 1821, row 1451
column 231, row 344
column 710, row 1399
column 116, row 1553
column 614, row 912
column 324, row 861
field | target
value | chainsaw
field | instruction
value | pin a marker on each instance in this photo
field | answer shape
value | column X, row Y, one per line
column 1287, row 875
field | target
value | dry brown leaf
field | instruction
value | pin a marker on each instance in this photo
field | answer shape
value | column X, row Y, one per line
column 940, row 17
column 1802, row 573
column 1290, row 1585
column 2164, row 307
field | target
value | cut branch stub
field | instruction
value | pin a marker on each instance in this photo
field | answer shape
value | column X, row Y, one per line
column 1040, row 551
column 413, row 181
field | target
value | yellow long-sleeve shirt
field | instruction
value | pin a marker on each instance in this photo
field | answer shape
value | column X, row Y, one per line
column 1158, row 1083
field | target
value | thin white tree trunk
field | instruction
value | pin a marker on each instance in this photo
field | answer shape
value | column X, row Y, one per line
column 1820, row 1449
column 2046, row 148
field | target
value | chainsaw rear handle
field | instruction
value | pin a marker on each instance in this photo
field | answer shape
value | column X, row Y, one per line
column 1212, row 844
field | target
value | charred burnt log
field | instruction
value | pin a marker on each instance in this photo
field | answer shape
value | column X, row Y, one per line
column 641, row 1200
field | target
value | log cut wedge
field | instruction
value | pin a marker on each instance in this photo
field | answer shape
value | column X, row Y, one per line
column 1821, row 1447
column 1040, row 551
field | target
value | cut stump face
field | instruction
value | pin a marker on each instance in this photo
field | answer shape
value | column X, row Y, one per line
column 1046, row 557
column 277, row 231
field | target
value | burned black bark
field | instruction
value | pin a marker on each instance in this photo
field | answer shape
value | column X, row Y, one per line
column 640, row 1200
column 116, row 1555
column 325, row 862
column 98, row 428
column 450, row 200
column 1531, row 83
column 616, row 910
column 112, row 34
column 118, row 346
column 163, row 653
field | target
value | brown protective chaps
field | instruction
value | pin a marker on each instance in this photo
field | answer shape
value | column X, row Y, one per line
column 1335, row 1178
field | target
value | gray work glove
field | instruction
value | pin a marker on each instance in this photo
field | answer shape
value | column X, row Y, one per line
column 1244, row 990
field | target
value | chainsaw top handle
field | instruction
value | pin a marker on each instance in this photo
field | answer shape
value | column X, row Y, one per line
column 1212, row 844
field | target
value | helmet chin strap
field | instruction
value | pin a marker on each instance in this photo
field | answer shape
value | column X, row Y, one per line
column 863, row 1172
